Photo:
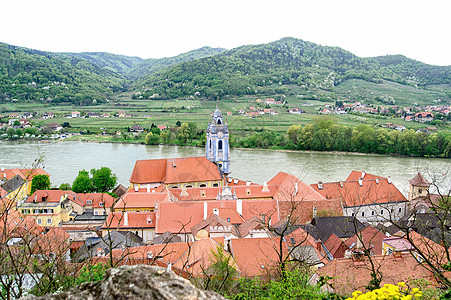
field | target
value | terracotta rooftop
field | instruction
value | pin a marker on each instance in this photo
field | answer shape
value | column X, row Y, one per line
column 47, row 196
column 175, row 170
column 371, row 237
column 26, row 174
column 141, row 200
column 361, row 192
column 131, row 220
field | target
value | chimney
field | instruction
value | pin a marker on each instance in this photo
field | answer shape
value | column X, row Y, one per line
column 216, row 211
column 341, row 184
column 35, row 198
column 148, row 187
column 377, row 180
column 360, row 181
column 315, row 212
column 357, row 255
column 265, row 187
column 239, row 207
column 248, row 183
column 3, row 169
column 125, row 218
column 389, row 180
column 320, row 185
column 363, row 174
column 296, row 188
column 205, row 210
column 4, row 175
column 169, row 267
column 397, row 254
column 136, row 188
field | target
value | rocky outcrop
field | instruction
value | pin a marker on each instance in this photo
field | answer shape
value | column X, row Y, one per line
column 135, row 282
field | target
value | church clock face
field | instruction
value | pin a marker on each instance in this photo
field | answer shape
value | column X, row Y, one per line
column 220, row 134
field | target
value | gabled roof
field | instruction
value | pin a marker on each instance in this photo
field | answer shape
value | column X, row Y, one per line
column 419, row 180
column 95, row 198
column 47, row 196
column 333, row 244
column 26, row 174
column 211, row 222
column 356, row 175
column 372, row 239
column 253, row 223
column 175, row 170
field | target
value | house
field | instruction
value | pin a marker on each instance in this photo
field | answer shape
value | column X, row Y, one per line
column 75, row 114
column 26, row 174
column 95, row 203
column 105, row 115
column 121, row 113
column 162, row 127
column 296, row 111
column 214, row 226
column 136, row 128
column 48, row 207
column 141, row 223
column 93, row 115
column 369, row 197
column 48, row 115
column 424, row 117
column 54, row 126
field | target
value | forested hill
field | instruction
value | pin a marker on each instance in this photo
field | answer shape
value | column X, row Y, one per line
column 116, row 63
column 252, row 69
column 31, row 75
column 150, row 66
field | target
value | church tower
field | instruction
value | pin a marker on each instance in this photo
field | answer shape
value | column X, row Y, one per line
column 217, row 146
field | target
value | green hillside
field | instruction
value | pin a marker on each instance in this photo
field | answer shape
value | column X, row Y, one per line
column 31, row 75
column 116, row 63
column 150, row 66
column 255, row 69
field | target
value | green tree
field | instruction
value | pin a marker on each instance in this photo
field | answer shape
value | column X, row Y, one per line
column 165, row 136
column 83, row 183
column 40, row 182
column 10, row 132
column 19, row 132
column 152, row 139
column 103, row 179
column 16, row 123
column 65, row 187
column 183, row 132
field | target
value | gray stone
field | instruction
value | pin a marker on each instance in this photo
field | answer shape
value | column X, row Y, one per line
column 135, row 282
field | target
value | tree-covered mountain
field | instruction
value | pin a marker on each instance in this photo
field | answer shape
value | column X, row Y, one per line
column 284, row 67
column 31, row 75
column 252, row 69
column 152, row 65
column 116, row 63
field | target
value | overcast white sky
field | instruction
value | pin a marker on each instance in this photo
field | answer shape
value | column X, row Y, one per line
column 152, row 29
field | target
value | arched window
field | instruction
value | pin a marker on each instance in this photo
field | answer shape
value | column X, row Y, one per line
column 220, row 145
column 219, row 121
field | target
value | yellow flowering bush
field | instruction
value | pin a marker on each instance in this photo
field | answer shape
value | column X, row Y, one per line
column 389, row 292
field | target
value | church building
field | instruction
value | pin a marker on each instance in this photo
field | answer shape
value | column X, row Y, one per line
column 217, row 146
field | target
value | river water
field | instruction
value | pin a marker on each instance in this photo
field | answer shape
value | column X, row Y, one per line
column 63, row 160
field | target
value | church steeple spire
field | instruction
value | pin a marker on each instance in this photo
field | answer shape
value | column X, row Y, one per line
column 217, row 147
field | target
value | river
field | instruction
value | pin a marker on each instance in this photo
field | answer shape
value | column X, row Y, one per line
column 63, row 160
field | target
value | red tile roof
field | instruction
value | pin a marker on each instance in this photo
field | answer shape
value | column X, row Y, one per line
column 47, row 196
column 371, row 237
column 26, row 174
column 136, row 220
column 356, row 175
column 347, row 275
column 257, row 256
column 335, row 246
column 96, row 199
column 175, row 170
column 351, row 193
column 140, row 200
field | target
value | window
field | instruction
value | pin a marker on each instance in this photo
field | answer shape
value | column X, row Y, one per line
column 352, row 214
column 400, row 209
column 248, row 192
column 96, row 213
column 49, row 221
column 203, row 185
column 382, row 212
column 39, row 221
column 215, row 184
column 228, row 219
column 292, row 241
column 389, row 251
column 101, row 204
column 174, row 187
column 88, row 201
column 372, row 212
column 189, row 186
column 363, row 213
column 219, row 121
column 220, row 145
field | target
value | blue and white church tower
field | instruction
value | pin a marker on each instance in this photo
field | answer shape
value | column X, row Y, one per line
column 217, row 147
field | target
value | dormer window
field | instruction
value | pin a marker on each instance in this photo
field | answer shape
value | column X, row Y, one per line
column 248, row 192
column 101, row 204
column 202, row 193
column 149, row 221
column 88, row 201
